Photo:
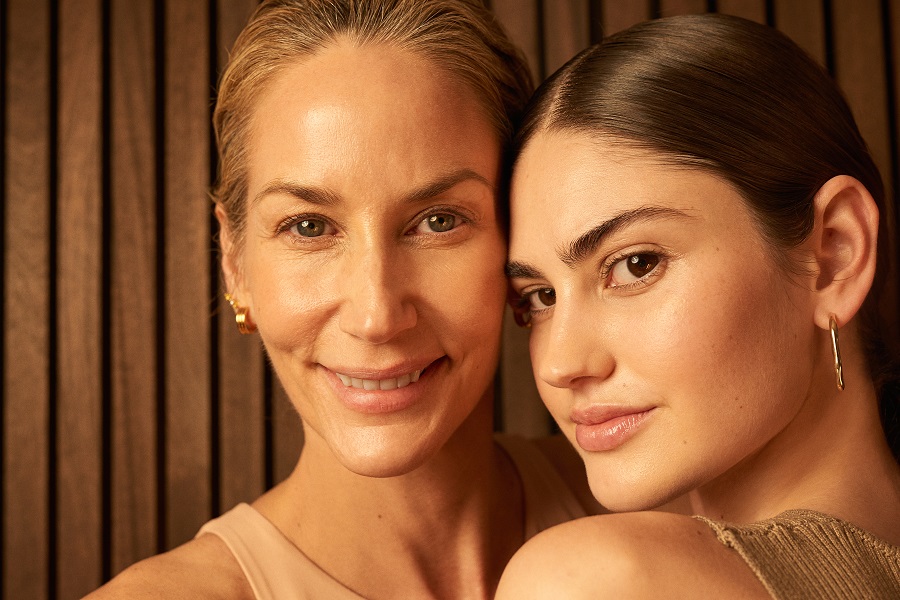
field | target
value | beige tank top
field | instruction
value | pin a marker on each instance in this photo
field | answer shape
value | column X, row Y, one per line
column 276, row 569
column 804, row 554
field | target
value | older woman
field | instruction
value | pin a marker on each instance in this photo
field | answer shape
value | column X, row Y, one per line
column 694, row 242
column 362, row 154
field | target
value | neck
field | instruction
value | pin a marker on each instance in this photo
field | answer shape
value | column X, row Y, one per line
column 832, row 458
column 443, row 529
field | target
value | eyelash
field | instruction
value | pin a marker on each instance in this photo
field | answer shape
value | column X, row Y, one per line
column 522, row 302
column 464, row 219
column 610, row 263
column 286, row 225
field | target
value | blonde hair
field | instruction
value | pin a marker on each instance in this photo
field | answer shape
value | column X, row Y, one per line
column 461, row 36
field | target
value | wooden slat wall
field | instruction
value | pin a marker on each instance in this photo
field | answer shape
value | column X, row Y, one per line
column 132, row 409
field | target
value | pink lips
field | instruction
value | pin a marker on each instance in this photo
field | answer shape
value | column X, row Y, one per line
column 602, row 428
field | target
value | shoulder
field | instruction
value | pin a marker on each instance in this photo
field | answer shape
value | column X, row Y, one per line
column 631, row 555
column 201, row 568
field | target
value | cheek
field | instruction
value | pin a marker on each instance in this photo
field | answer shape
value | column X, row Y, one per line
column 288, row 290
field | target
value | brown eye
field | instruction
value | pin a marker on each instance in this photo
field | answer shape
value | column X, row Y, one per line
column 541, row 299
column 635, row 269
column 641, row 264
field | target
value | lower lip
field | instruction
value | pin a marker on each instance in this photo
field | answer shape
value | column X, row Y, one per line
column 609, row 435
column 379, row 402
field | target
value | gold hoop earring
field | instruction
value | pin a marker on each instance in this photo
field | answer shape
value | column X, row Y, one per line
column 836, row 351
column 241, row 315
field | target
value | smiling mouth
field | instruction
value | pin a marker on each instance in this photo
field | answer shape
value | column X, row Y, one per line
column 380, row 384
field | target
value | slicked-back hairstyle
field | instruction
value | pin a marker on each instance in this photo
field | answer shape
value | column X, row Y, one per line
column 738, row 100
column 461, row 37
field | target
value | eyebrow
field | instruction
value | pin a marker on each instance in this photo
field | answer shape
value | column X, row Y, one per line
column 584, row 246
column 325, row 197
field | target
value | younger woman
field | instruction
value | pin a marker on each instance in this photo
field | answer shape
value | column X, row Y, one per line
column 694, row 241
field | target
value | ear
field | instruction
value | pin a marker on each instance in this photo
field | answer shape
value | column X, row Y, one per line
column 230, row 264
column 844, row 246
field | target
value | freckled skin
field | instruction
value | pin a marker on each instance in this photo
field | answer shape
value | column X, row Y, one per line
column 693, row 343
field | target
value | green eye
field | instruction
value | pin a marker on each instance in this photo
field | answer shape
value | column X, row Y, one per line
column 310, row 227
column 441, row 222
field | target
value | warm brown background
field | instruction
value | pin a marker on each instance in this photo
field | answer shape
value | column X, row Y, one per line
column 132, row 409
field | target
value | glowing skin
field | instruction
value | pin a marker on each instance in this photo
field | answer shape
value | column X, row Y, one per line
column 373, row 258
column 675, row 348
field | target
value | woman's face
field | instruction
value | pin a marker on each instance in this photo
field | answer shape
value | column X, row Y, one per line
column 373, row 259
column 665, row 342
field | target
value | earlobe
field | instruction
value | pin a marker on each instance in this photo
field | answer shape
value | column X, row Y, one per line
column 844, row 246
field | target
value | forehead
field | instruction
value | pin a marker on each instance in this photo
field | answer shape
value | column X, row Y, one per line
column 566, row 182
column 367, row 109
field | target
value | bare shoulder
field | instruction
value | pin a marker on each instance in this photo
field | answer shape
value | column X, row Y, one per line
column 631, row 555
column 201, row 568
column 568, row 464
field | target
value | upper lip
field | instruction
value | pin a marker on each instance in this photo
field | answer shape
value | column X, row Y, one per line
column 595, row 414
column 391, row 372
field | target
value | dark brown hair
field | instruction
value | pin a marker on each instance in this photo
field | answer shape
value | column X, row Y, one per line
column 738, row 100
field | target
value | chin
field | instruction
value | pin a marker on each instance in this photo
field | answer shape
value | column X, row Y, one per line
column 378, row 453
column 633, row 494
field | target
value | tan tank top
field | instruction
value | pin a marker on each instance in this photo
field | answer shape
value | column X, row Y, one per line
column 805, row 554
column 276, row 569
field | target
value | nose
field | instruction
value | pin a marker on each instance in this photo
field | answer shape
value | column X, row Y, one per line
column 376, row 304
column 570, row 350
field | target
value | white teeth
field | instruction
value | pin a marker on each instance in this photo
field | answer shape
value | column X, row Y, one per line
column 379, row 384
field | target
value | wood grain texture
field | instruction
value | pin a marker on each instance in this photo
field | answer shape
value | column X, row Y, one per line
column 669, row 8
column 891, row 300
column 522, row 22
column 187, row 304
column 287, row 431
column 804, row 22
column 162, row 363
column 134, row 307
column 755, row 10
column 622, row 15
column 26, row 335
column 78, row 306
column 567, row 31
column 241, row 364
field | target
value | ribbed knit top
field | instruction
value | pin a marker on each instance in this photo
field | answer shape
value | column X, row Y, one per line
column 804, row 554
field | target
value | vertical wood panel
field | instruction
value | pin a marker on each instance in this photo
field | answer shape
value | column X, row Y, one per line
column 241, row 399
column 522, row 410
column 79, row 393
column 755, row 10
column 567, row 31
column 134, row 285
column 187, row 235
column 622, row 15
column 860, row 71
column 891, row 305
column 288, row 433
column 670, row 8
column 804, row 22
column 26, row 391
column 521, row 22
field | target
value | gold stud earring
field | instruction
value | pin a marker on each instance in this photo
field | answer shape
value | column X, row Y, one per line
column 836, row 351
column 241, row 315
